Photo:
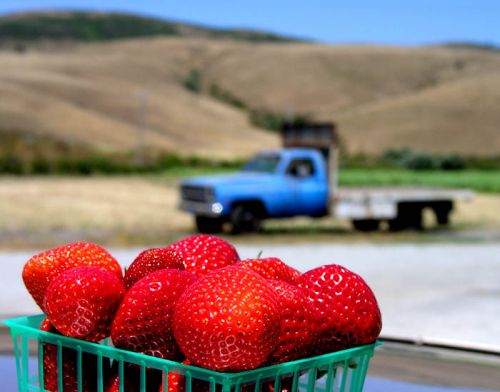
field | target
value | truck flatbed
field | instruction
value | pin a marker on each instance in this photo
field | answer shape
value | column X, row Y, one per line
column 400, row 206
column 402, row 193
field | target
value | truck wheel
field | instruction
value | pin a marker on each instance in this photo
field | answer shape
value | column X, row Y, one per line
column 208, row 225
column 246, row 219
column 366, row 224
column 442, row 211
column 409, row 217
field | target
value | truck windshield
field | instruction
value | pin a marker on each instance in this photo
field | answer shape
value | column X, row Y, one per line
column 262, row 164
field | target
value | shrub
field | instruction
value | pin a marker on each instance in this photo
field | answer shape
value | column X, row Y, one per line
column 10, row 164
column 397, row 155
column 193, row 81
column 168, row 161
column 452, row 162
column 274, row 121
column 226, row 97
column 40, row 165
column 420, row 161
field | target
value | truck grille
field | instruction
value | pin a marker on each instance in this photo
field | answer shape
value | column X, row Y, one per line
column 197, row 193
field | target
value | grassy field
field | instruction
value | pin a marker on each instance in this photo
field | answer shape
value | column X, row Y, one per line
column 127, row 210
column 478, row 180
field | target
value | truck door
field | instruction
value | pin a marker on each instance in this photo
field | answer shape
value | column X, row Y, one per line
column 310, row 192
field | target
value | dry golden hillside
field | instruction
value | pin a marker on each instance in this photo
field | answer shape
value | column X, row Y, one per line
column 439, row 99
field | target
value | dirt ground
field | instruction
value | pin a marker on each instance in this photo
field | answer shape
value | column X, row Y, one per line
column 134, row 210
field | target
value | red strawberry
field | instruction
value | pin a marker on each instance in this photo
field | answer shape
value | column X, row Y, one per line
column 149, row 261
column 346, row 310
column 143, row 322
column 204, row 253
column 272, row 268
column 81, row 302
column 297, row 319
column 113, row 384
column 177, row 382
column 42, row 268
column 228, row 320
column 69, row 366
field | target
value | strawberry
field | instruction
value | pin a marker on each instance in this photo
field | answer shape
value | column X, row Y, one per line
column 347, row 313
column 297, row 319
column 203, row 253
column 42, row 268
column 68, row 364
column 143, row 322
column 176, row 382
column 113, row 384
column 149, row 261
column 228, row 320
column 271, row 268
column 81, row 302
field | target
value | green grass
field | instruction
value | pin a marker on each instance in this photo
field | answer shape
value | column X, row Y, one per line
column 478, row 180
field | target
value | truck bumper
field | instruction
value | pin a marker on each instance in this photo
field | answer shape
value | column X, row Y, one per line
column 213, row 210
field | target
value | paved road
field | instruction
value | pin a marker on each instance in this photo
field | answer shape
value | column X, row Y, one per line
column 442, row 292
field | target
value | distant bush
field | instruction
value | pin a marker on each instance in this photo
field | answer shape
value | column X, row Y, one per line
column 193, row 81
column 10, row 164
column 274, row 121
column 418, row 160
column 225, row 96
column 396, row 155
column 106, row 164
column 452, row 162
column 41, row 165
column 168, row 161
column 483, row 163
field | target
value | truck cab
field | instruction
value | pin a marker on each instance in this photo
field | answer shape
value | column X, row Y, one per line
column 274, row 184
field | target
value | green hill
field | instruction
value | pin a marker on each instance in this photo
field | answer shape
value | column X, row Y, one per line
column 93, row 26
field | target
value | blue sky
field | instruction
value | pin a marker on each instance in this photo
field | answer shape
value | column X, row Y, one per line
column 356, row 21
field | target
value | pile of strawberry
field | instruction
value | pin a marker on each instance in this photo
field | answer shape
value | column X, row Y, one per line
column 194, row 301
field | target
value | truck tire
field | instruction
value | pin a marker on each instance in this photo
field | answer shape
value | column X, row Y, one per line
column 208, row 225
column 366, row 225
column 246, row 218
column 409, row 217
column 442, row 211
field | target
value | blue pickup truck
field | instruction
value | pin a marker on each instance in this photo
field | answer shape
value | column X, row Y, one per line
column 301, row 180
column 278, row 184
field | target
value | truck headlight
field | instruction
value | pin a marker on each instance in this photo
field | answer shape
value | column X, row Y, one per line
column 217, row 208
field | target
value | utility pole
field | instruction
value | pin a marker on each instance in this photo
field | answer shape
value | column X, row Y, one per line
column 142, row 103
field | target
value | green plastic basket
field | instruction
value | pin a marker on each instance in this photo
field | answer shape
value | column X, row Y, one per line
column 340, row 371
